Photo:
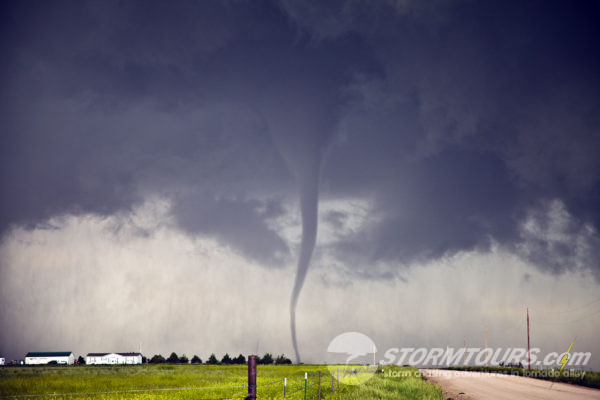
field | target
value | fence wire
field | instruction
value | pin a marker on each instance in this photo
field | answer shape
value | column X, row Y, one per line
column 293, row 382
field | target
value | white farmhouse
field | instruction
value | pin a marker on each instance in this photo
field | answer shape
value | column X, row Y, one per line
column 113, row 358
column 2, row 360
column 58, row 357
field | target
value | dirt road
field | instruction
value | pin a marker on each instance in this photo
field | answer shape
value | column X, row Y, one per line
column 463, row 385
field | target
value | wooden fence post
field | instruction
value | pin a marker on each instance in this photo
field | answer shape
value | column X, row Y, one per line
column 251, row 378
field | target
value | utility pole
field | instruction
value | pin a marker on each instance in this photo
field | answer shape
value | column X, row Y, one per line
column 486, row 351
column 528, row 343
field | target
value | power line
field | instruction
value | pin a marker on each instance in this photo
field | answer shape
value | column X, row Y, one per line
column 580, row 318
column 571, row 310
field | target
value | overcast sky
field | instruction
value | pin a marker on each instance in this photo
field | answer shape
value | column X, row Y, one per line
column 152, row 155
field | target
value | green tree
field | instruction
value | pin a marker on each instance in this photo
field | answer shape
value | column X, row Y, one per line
column 282, row 359
column 173, row 358
column 266, row 359
column 226, row 359
column 183, row 359
column 81, row 360
column 196, row 360
column 157, row 359
column 212, row 359
column 239, row 359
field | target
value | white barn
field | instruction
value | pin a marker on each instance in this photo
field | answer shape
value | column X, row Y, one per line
column 113, row 358
column 58, row 357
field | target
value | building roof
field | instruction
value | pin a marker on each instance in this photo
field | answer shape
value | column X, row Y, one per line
column 49, row 354
column 121, row 354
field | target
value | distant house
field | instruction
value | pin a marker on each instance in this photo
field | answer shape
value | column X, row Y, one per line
column 58, row 357
column 113, row 358
column 2, row 360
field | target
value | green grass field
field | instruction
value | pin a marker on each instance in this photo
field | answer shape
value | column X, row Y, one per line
column 203, row 382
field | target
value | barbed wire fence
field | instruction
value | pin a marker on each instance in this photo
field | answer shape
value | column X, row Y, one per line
column 312, row 385
column 149, row 390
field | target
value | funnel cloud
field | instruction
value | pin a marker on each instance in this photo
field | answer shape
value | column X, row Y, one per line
column 309, row 200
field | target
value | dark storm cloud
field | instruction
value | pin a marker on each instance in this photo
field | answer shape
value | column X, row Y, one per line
column 484, row 111
column 429, row 209
column 458, row 120
column 108, row 102
column 239, row 222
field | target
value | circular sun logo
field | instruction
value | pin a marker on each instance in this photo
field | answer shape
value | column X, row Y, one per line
column 351, row 358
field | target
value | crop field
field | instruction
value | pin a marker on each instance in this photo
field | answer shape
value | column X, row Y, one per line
column 167, row 381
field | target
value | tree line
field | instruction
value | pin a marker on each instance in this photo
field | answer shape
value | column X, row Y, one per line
column 266, row 359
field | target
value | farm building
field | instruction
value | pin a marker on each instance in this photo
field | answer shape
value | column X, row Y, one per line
column 2, row 360
column 113, row 358
column 58, row 357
